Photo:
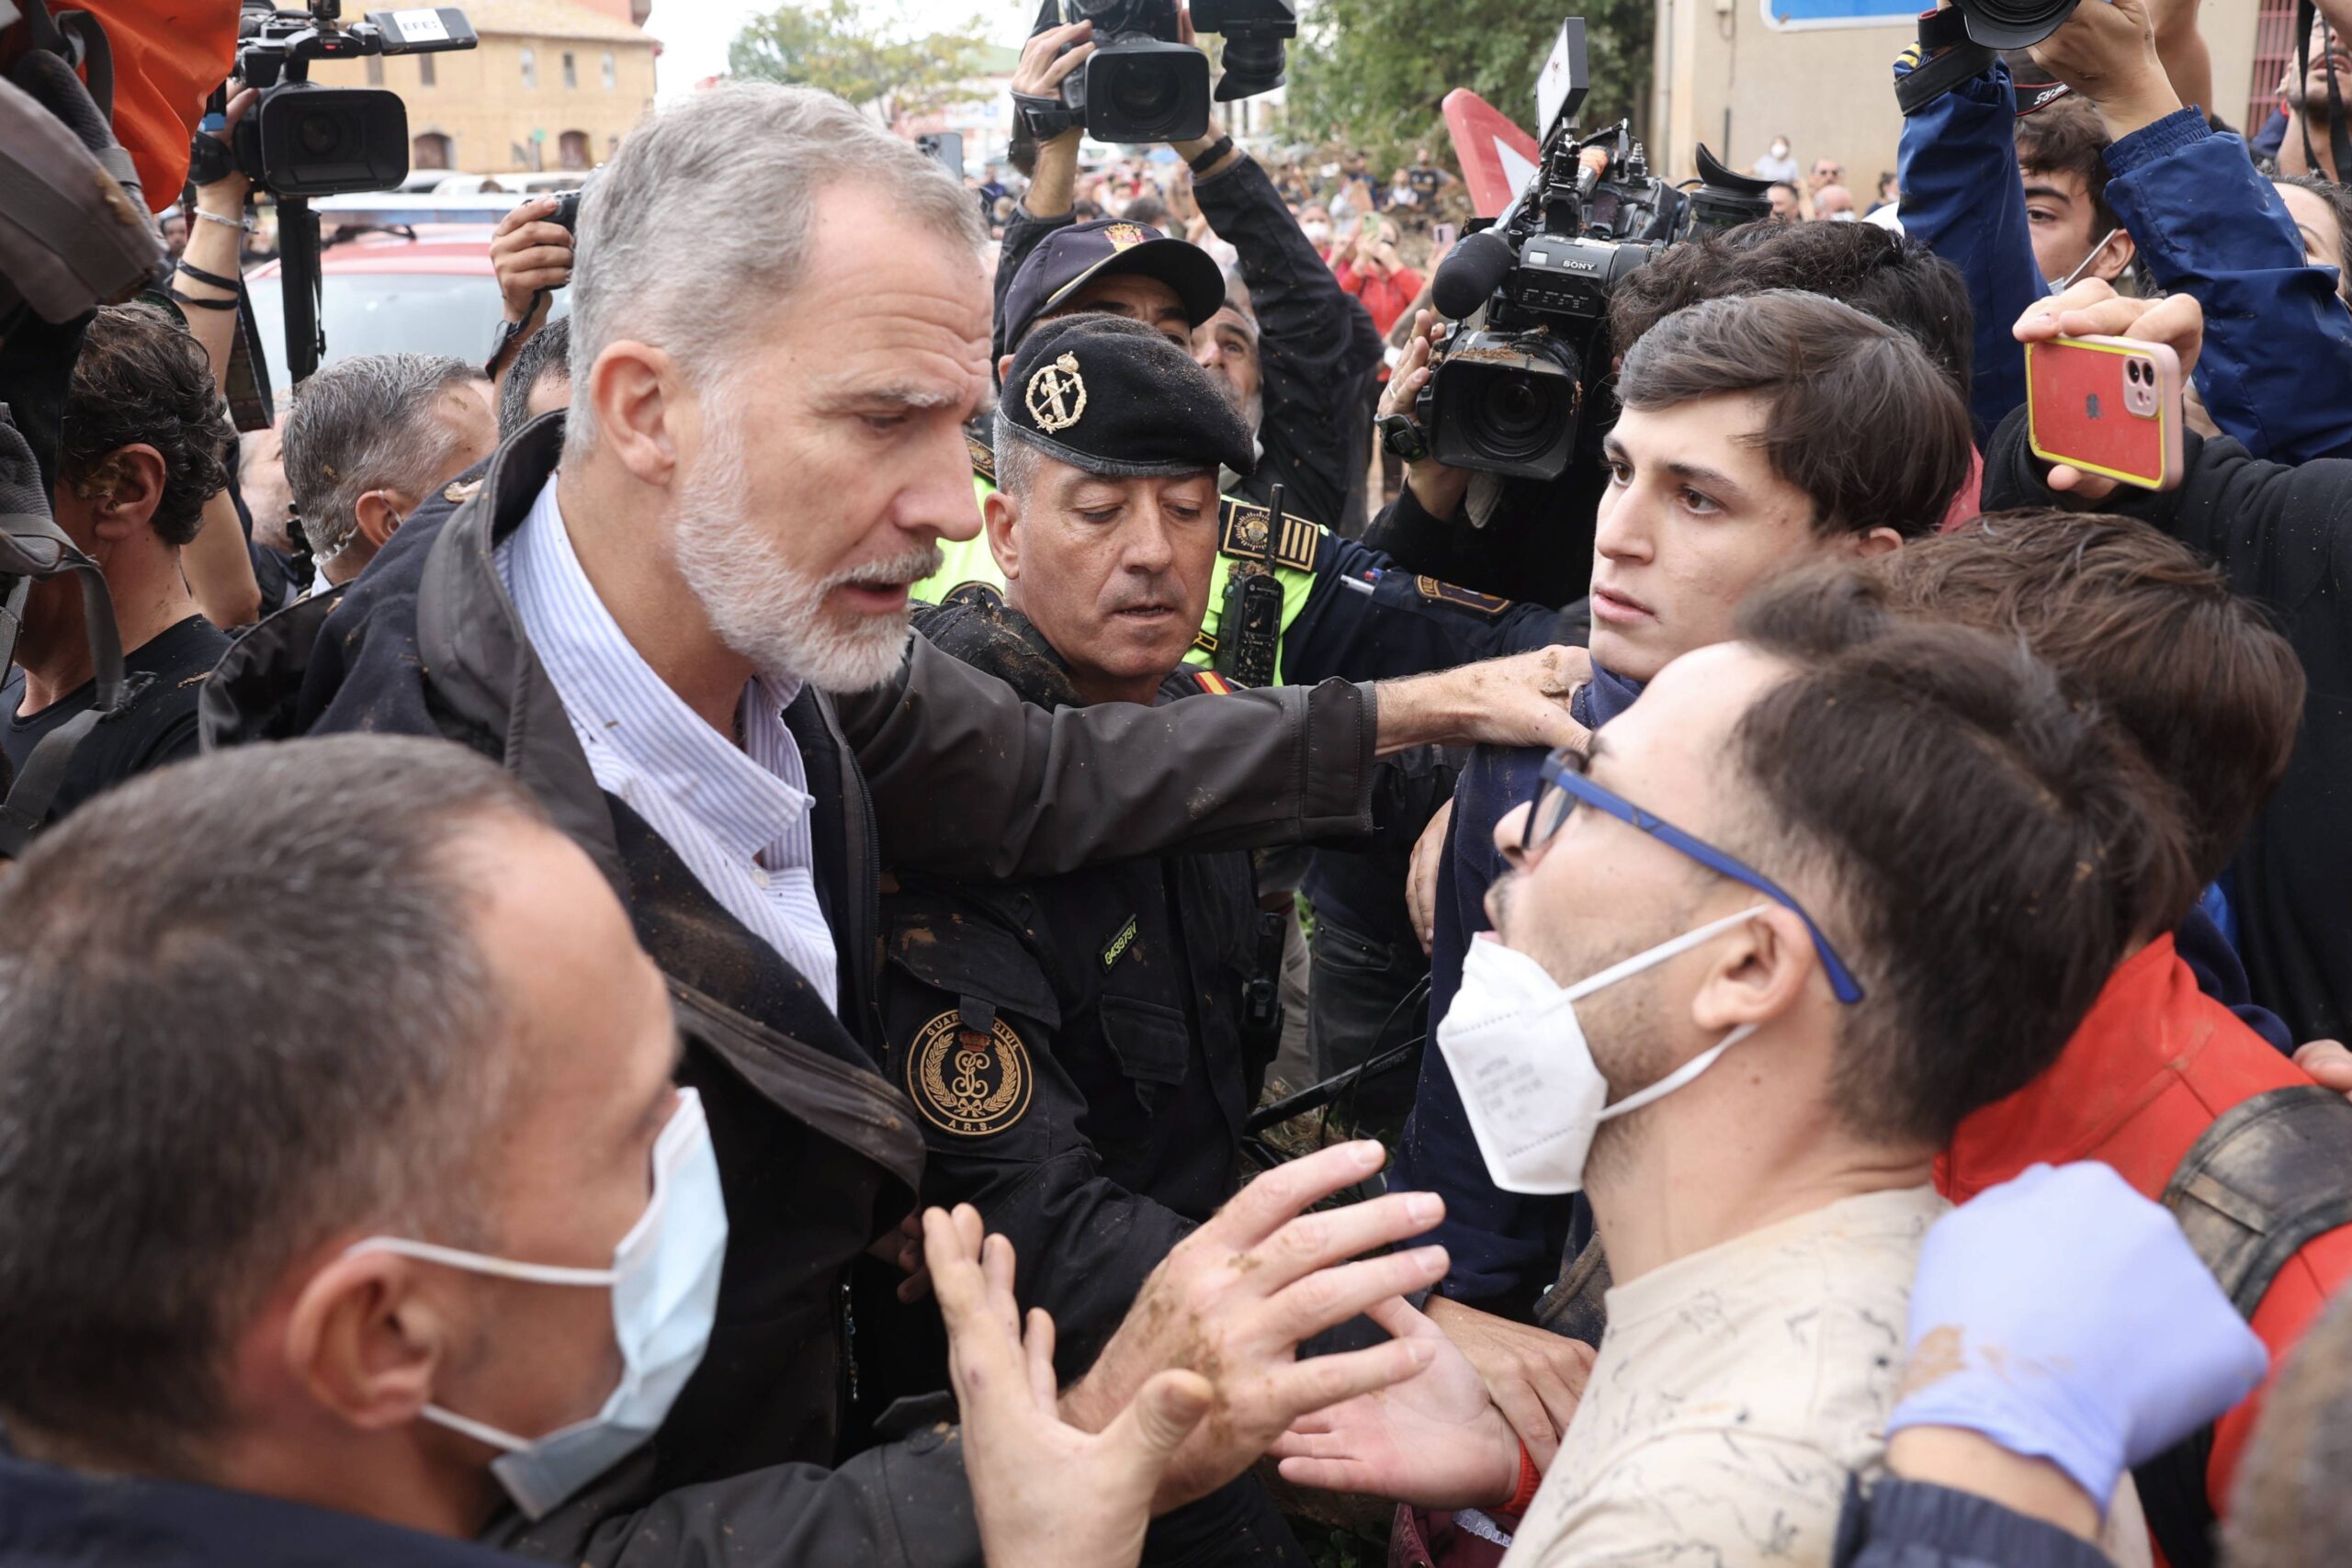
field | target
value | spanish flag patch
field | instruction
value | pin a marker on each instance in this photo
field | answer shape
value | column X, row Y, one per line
column 1210, row 681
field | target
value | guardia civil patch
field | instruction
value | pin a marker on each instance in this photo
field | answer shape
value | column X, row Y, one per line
column 966, row 1082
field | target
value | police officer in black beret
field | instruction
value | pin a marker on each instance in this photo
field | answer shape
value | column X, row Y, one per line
column 1080, row 1050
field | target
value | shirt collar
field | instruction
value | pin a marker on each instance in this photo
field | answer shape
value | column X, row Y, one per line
column 618, row 704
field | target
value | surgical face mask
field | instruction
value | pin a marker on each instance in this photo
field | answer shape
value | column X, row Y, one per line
column 1317, row 231
column 664, row 1281
column 1779, row 148
column 1517, row 1054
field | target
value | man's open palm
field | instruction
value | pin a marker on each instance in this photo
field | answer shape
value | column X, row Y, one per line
column 1435, row 1441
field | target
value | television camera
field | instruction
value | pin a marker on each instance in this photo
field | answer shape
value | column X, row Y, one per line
column 1509, row 391
column 302, row 139
column 1143, row 82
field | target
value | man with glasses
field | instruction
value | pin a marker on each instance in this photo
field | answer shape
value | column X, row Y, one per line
column 1737, row 458
column 1755, row 959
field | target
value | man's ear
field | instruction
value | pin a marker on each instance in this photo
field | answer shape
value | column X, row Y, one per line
column 999, row 515
column 363, row 1339
column 2117, row 256
column 1003, row 369
column 1877, row 542
column 1757, row 973
column 639, row 399
column 381, row 513
column 124, row 487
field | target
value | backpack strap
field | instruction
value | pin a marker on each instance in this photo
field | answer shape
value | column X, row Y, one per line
column 2267, row 1177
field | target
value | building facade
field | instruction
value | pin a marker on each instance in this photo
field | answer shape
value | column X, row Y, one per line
column 553, row 84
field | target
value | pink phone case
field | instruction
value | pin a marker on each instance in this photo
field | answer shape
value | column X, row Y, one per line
column 2107, row 405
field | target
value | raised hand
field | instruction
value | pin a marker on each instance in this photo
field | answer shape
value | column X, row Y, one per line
column 1046, row 1494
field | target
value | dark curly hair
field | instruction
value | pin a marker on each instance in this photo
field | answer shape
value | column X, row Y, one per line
column 141, row 380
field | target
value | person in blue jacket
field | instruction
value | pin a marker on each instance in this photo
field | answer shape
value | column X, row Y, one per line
column 2277, row 370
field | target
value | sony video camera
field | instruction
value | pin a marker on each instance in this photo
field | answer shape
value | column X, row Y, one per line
column 1508, row 392
column 303, row 140
column 1142, row 84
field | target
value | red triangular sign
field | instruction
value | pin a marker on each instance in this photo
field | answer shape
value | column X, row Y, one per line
column 1497, row 155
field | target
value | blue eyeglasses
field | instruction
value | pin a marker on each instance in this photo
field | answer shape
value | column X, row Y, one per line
column 1562, row 785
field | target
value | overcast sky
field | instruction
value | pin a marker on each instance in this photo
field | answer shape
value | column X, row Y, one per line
column 695, row 33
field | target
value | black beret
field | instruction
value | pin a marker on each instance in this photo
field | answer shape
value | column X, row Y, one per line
column 1115, row 397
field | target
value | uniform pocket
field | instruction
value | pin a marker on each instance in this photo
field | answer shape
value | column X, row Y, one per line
column 1151, row 1042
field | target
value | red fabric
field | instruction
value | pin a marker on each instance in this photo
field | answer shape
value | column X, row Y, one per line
column 1386, row 298
column 168, row 55
column 2155, row 1064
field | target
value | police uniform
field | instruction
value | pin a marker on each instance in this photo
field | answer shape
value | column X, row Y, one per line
column 1080, row 1050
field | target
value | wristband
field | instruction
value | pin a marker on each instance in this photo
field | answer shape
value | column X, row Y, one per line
column 1530, row 1478
column 243, row 225
column 180, row 297
column 1207, row 161
column 214, row 278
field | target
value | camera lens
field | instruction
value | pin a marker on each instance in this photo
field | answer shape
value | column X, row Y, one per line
column 1516, row 416
column 318, row 135
column 1144, row 95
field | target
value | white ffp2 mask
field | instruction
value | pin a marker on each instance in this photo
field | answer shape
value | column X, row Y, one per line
column 1528, row 1081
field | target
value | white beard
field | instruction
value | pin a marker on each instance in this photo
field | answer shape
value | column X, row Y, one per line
column 762, row 608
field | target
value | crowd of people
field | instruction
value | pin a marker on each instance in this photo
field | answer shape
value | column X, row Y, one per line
column 920, row 889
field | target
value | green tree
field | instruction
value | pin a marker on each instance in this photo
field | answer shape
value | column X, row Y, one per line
column 841, row 46
column 1375, row 72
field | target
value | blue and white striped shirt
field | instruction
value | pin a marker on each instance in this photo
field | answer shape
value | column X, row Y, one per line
column 738, row 818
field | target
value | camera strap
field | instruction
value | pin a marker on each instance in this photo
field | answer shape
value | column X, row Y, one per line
column 1047, row 118
column 2339, row 136
column 1944, row 57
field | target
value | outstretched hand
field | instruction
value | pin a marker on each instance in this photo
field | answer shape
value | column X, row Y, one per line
column 1046, row 1494
column 1236, row 1298
column 1435, row 1441
column 1519, row 700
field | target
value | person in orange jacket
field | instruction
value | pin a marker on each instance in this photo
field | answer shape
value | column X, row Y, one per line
column 2198, row 680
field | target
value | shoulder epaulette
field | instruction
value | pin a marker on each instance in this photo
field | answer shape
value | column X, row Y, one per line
column 983, row 460
column 1246, row 530
column 1211, row 682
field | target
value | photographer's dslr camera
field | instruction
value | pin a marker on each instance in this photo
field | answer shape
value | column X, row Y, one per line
column 303, row 140
column 1508, row 394
column 1142, row 84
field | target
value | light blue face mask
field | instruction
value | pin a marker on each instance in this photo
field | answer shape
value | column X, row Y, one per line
column 664, row 1280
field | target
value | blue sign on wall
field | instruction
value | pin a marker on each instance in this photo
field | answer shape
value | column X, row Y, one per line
column 1838, row 13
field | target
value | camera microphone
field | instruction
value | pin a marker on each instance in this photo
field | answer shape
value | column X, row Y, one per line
column 1468, row 278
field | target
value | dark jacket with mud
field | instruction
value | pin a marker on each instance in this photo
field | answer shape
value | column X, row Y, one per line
column 942, row 768
column 1074, row 1046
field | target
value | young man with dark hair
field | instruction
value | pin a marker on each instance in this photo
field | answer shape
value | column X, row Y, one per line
column 1736, row 459
column 2061, row 152
column 1755, row 961
column 145, row 437
column 1537, row 533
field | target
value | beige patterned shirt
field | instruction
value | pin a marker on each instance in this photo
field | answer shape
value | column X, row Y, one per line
column 1735, row 1390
